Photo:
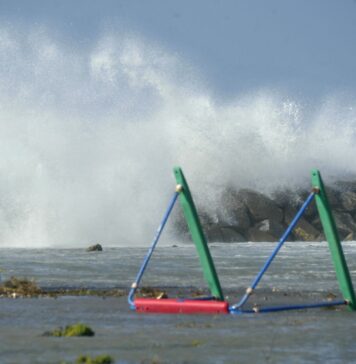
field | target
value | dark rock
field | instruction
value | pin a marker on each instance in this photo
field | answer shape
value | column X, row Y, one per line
column 266, row 230
column 226, row 234
column 234, row 212
column 303, row 231
column 254, row 234
column 284, row 198
column 230, row 235
column 310, row 212
column 348, row 201
column 261, row 207
column 350, row 237
column 214, row 234
column 250, row 215
column 95, row 248
column 272, row 227
column 333, row 196
column 344, row 222
column 294, row 199
column 344, row 186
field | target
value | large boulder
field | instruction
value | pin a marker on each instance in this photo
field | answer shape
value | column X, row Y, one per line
column 344, row 222
column 296, row 204
column 266, row 230
column 260, row 207
column 254, row 234
column 243, row 221
column 350, row 237
column 303, row 231
column 348, row 201
column 227, row 234
column 346, row 186
column 95, row 248
column 233, row 212
column 333, row 196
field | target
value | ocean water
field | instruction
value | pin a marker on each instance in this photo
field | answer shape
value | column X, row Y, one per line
column 302, row 272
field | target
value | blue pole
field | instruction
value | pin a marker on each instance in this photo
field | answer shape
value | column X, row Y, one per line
column 151, row 249
column 282, row 240
column 289, row 307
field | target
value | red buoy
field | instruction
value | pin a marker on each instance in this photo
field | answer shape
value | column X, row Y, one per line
column 153, row 305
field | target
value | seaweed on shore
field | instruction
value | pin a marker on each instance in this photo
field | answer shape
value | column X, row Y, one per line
column 111, row 292
column 19, row 287
column 150, row 292
column 25, row 288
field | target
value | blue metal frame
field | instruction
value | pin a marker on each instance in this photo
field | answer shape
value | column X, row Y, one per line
column 134, row 285
column 288, row 307
column 238, row 308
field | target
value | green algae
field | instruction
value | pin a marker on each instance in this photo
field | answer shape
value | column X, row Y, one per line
column 86, row 359
column 101, row 359
column 75, row 330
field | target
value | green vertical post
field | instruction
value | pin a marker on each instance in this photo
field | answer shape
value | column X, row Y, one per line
column 197, row 234
column 337, row 254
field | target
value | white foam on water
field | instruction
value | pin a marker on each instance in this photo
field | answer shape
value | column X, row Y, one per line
column 89, row 136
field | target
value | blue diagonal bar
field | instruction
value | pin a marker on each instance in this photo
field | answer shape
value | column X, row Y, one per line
column 276, row 250
column 151, row 249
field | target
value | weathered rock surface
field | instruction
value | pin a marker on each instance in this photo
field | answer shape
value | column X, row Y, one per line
column 266, row 230
column 95, row 248
column 248, row 215
column 304, row 231
column 255, row 234
column 260, row 207
column 226, row 234
column 344, row 223
column 348, row 201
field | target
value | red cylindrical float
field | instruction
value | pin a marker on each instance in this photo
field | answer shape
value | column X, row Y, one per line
column 152, row 305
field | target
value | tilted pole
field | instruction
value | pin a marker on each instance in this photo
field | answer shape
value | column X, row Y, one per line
column 197, row 234
column 331, row 235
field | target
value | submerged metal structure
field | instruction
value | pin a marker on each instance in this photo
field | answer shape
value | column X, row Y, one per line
column 216, row 304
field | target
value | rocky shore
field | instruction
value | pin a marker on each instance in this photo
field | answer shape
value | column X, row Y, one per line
column 249, row 215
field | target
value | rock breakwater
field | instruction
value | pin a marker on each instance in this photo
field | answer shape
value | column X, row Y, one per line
column 248, row 215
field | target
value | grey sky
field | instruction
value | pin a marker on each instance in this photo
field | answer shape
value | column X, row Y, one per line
column 306, row 47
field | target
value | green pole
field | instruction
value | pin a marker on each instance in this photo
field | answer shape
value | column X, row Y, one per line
column 330, row 231
column 196, row 231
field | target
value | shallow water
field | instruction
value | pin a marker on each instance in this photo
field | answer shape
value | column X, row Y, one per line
column 301, row 272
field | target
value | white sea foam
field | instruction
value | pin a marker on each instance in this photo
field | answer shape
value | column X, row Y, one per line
column 89, row 137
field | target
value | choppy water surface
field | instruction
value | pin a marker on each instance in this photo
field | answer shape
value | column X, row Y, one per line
column 302, row 271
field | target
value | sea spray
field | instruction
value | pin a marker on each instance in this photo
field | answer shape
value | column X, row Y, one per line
column 89, row 136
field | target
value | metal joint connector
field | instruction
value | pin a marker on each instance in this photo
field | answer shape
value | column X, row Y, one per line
column 179, row 188
column 316, row 190
column 134, row 285
column 249, row 291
